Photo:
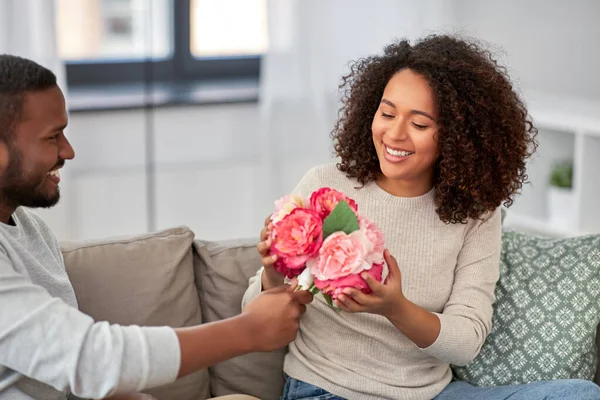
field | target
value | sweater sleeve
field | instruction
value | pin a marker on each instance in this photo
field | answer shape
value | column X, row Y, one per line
column 467, row 316
column 254, row 288
column 47, row 340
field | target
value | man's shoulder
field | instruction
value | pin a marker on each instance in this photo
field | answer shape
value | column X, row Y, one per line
column 34, row 225
column 28, row 217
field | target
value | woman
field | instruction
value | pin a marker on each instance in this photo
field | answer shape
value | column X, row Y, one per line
column 432, row 140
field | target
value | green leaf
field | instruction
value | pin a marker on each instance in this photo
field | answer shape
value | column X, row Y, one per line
column 328, row 299
column 330, row 302
column 562, row 174
column 313, row 289
column 342, row 218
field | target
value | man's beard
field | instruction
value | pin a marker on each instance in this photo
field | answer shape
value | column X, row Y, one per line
column 18, row 189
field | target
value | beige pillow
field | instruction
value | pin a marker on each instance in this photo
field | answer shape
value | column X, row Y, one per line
column 143, row 280
column 222, row 272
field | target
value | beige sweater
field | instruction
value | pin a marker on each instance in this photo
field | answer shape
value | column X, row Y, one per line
column 448, row 269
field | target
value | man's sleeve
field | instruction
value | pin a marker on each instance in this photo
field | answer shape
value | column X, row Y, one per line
column 47, row 340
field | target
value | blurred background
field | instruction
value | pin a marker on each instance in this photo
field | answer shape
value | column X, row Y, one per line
column 203, row 112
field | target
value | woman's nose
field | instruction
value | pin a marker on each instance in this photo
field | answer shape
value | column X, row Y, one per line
column 398, row 131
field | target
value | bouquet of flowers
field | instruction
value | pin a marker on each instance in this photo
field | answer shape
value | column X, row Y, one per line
column 325, row 243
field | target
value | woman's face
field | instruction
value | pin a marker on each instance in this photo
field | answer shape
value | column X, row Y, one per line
column 404, row 133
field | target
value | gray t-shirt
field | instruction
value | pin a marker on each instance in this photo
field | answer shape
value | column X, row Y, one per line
column 48, row 347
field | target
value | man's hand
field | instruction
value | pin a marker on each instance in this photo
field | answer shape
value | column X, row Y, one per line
column 273, row 317
column 268, row 322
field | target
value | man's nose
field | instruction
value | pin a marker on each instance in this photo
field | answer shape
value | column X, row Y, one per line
column 66, row 151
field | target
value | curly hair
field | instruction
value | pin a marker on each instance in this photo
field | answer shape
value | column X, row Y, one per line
column 485, row 134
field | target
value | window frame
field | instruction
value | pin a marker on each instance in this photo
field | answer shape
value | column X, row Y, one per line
column 179, row 69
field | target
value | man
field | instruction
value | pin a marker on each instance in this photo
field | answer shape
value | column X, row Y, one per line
column 47, row 347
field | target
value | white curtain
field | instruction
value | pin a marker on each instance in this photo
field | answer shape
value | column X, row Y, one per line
column 27, row 29
column 310, row 45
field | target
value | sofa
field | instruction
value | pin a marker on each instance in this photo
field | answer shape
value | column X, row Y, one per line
column 172, row 278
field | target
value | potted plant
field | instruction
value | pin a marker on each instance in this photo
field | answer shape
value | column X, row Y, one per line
column 561, row 196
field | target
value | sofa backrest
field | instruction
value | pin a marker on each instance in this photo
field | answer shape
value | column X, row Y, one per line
column 222, row 272
column 144, row 280
column 168, row 278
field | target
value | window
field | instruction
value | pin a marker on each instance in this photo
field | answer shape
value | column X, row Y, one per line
column 99, row 30
column 170, row 42
column 214, row 37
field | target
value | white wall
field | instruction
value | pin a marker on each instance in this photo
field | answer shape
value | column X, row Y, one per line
column 551, row 50
column 220, row 167
column 550, row 45
column 211, row 171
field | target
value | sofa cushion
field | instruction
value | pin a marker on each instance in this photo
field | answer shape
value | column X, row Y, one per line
column 546, row 313
column 597, row 378
column 143, row 280
column 222, row 272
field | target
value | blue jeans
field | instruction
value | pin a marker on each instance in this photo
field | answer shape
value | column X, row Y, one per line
column 566, row 389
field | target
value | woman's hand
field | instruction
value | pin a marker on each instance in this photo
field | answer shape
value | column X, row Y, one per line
column 419, row 325
column 386, row 298
column 270, row 277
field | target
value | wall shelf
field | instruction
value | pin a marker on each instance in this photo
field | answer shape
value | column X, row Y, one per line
column 569, row 129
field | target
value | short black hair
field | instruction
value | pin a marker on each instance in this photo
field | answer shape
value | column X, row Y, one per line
column 19, row 76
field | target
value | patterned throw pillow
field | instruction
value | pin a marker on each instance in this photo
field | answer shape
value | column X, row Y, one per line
column 546, row 313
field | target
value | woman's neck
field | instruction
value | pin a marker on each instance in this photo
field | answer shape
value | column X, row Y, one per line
column 405, row 188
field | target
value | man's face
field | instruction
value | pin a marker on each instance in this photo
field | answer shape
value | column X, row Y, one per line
column 35, row 152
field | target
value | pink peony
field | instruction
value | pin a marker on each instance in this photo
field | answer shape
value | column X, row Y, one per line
column 286, row 205
column 375, row 238
column 340, row 255
column 296, row 239
column 335, row 287
column 325, row 199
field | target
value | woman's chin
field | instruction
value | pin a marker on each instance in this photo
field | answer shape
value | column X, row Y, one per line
column 392, row 172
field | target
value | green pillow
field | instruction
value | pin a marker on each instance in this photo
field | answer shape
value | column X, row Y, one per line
column 546, row 313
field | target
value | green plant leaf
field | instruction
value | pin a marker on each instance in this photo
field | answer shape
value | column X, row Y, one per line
column 562, row 174
column 342, row 218
column 328, row 299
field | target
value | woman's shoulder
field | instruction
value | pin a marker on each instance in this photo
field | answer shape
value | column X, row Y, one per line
column 489, row 221
column 325, row 171
column 324, row 175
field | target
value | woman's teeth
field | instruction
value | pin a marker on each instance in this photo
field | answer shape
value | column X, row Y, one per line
column 398, row 153
column 54, row 173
